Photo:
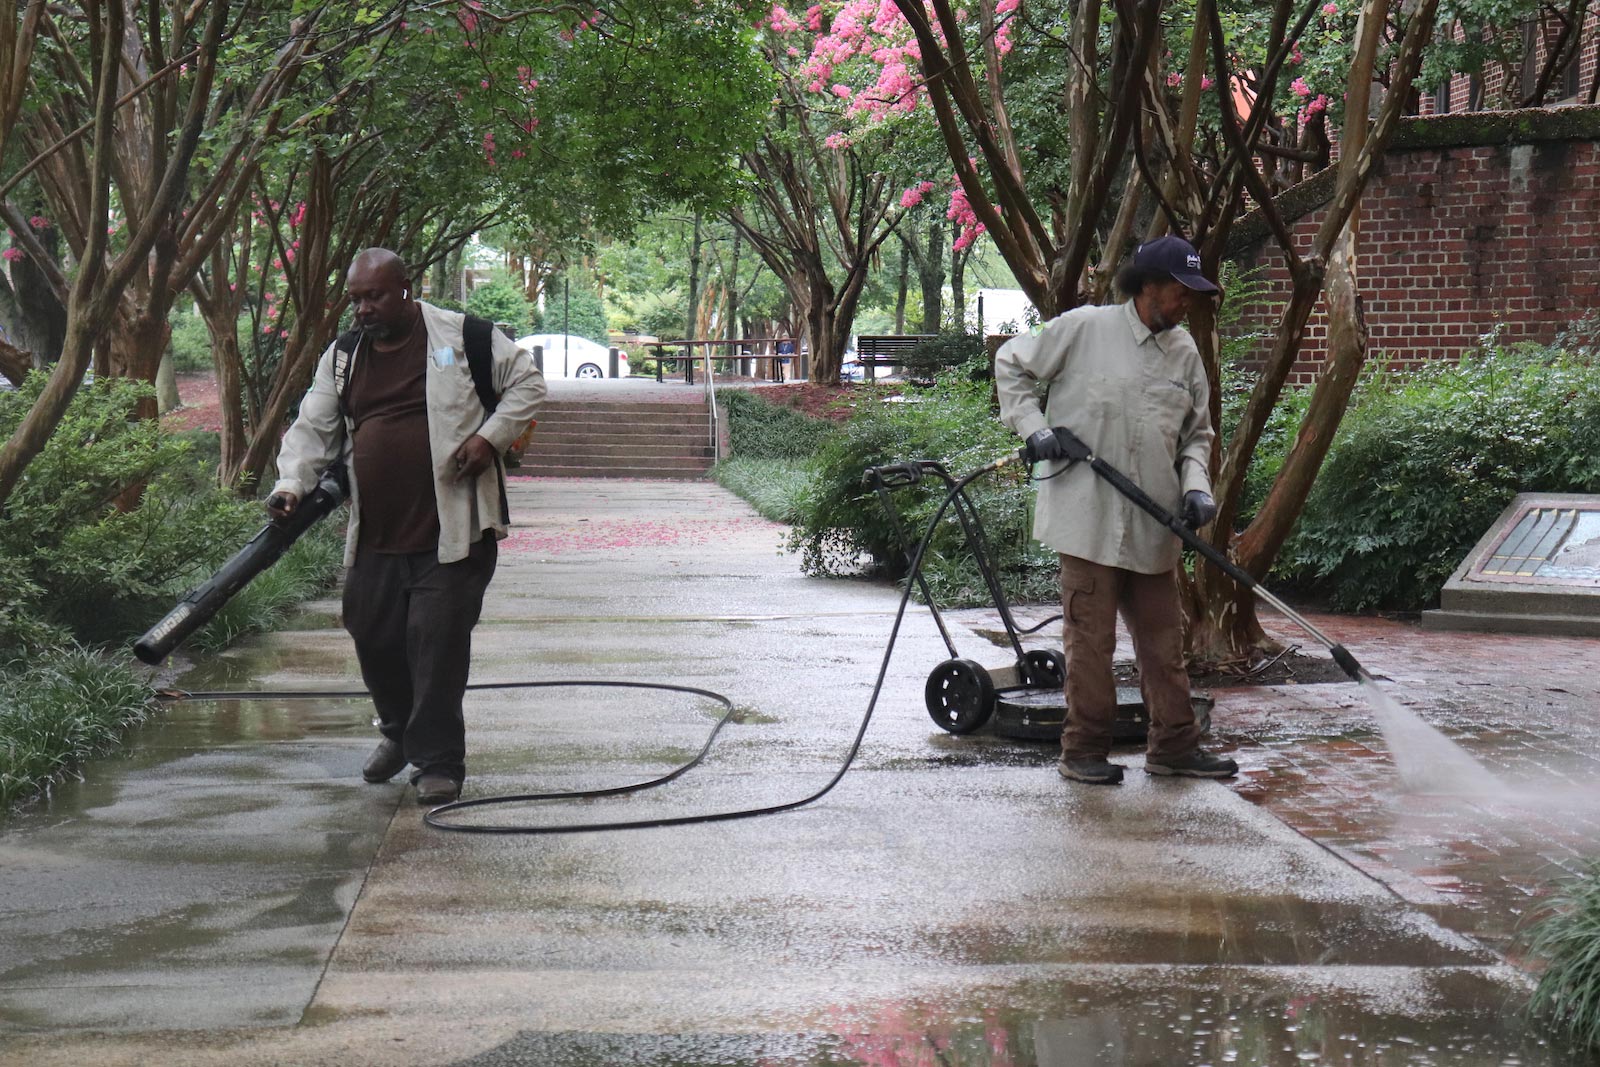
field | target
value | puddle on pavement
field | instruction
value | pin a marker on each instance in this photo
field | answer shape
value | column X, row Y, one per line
column 1458, row 1020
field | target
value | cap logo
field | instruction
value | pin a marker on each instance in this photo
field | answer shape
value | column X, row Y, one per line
column 1194, row 262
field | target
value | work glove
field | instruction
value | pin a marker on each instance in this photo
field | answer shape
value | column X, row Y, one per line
column 1043, row 445
column 1198, row 508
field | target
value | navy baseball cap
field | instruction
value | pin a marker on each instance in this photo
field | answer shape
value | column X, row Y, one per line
column 1174, row 256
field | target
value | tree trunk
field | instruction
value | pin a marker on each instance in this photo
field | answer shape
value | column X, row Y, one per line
column 902, row 281
column 930, row 276
column 166, row 385
column 34, row 316
column 694, row 278
column 958, row 289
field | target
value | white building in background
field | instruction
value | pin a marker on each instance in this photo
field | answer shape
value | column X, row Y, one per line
column 1005, row 311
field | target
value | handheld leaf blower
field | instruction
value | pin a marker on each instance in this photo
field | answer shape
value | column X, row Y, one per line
column 262, row 551
column 1076, row 450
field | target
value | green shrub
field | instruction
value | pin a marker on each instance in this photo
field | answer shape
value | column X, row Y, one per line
column 780, row 489
column 85, row 550
column 190, row 344
column 1422, row 465
column 1566, row 940
column 575, row 309
column 847, row 529
column 760, row 430
column 63, row 707
column 951, row 348
column 501, row 300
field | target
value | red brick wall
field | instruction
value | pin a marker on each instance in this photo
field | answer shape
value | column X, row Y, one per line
column 1458, row 241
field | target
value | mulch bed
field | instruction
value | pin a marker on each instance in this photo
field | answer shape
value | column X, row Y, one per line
column 1290, row 668
column 832, row 402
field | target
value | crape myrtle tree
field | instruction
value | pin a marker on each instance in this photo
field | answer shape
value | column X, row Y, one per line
column 451, row 120
column 827, row 175
column 1077, row 129
column 141, row 148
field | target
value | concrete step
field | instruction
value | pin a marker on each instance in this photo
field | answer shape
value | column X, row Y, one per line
column 620, row 439
column 626, row 423
column 672, row 473
column 580, row 457
column 604, row 406
column 599, row 438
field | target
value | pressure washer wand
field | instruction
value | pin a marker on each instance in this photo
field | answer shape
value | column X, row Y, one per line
column 262, row 551
column 1076, row 450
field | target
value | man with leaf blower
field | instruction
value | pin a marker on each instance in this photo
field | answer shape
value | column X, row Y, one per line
column 420, row 403
column 1127, row 379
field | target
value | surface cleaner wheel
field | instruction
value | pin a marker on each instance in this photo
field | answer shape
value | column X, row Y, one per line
column 1044, row 668
column 959, row 695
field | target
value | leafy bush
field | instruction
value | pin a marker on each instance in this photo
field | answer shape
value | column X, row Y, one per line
column 574, row 308
column 847, row 529
column 68, row 705
column 86, row 551
column 190, row 344
column 501, row 300
column 760, row 430
column 1421, row 466
column 1566, row 938
column 951, row 348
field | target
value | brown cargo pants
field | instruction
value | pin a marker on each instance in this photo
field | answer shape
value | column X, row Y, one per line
column 1091, row 594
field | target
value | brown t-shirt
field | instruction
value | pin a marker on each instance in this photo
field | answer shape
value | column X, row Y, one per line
column 387, row 401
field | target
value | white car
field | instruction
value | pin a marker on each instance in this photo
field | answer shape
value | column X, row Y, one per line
column 569, row 356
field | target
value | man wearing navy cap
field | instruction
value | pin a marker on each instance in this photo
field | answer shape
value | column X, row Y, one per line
column 1127, row 379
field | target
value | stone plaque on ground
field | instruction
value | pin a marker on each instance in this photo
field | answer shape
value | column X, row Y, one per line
column 1537, row 570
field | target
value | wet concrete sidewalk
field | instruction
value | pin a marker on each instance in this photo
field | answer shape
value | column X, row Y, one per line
column 230, row 892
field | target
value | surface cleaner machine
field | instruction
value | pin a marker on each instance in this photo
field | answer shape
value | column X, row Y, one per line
column 1024, row 699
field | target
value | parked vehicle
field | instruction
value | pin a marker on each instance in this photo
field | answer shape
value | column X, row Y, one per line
column 569, row 356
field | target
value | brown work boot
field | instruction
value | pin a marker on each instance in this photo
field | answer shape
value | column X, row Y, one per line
column 1196, row 764
column 437, row 789
column 1093, row 770
column 386, row 761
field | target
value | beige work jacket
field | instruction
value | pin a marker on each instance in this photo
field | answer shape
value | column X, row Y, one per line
column 321, row 434
column 1139, row 400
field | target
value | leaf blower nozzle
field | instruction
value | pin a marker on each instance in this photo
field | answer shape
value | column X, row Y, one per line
column 262, row 551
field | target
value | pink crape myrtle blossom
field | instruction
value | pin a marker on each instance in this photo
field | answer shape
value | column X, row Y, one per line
column 11, row 255
column 965, row 218
column 39, row 222
column 1300, row 88
column 914, row 195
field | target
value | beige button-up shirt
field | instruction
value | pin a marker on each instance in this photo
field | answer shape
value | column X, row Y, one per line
column 321, row 433
column 1139, row 400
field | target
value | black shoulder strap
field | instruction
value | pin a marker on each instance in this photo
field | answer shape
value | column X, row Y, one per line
column 344, row 349
column 478, row 337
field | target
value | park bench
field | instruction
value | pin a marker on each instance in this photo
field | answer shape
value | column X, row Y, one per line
column 875, row 350
column 744, row 354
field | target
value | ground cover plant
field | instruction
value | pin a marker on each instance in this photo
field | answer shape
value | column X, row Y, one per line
column 773, row 449
column 112, row 523
column 1566, row 941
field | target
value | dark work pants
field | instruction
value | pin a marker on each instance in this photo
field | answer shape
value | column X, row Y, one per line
column 411, row 618
column 1091, row 594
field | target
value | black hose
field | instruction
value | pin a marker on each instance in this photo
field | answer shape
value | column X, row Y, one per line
column 435, row 816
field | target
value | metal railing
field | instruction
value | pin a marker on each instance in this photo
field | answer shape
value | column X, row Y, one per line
column 711, row 403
